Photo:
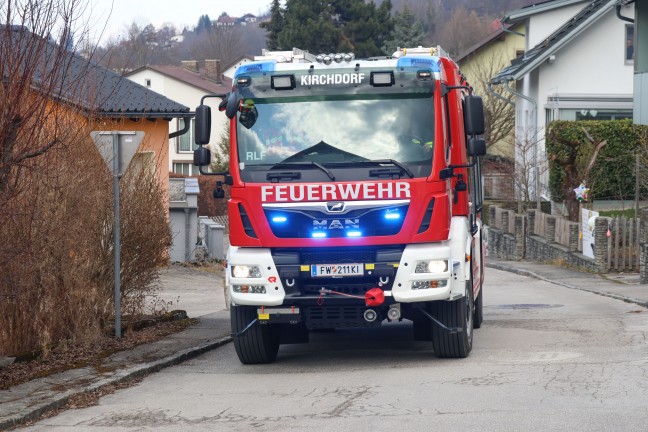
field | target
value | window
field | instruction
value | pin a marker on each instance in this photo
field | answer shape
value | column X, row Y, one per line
column 182, row 168
column 588, row 107
column 147, row 82
column 629, row 44
column 186, row 142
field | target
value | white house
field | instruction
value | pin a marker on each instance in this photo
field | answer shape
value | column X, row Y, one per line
column 230, row 70
column 578, row 65
column 187, row 84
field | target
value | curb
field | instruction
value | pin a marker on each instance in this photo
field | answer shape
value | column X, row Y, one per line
column 529, row 273
column 120, row 376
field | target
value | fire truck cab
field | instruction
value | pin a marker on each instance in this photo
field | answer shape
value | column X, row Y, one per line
column 355, row 198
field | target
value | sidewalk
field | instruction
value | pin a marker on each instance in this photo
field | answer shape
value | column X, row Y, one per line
column 201, row 295
column 196, row 291
column 620, row 286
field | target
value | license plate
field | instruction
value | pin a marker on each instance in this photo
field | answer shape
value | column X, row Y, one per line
column 332, row 270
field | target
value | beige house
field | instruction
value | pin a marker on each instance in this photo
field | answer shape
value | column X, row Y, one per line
column 479, row 64
column 187, row 84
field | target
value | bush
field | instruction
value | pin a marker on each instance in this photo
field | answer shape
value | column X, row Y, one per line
column 56, row 247
column 612, row 176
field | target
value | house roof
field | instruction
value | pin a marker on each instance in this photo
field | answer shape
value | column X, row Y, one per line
column 195, row 79
column 565, row 33
column 83, row 83
column 493, row 36
column 535, row 8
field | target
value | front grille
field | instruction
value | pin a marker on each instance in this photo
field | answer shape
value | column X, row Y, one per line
column 336, row 317
column 334, row 255
column 338, row 256
column 287, row 223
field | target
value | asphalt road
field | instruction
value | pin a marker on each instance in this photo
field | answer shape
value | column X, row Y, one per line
column 546, row 358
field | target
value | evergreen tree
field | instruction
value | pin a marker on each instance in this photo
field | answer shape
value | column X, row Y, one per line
column 204, row 23
column 408, row 31
column 309, row 25
column 365, row 27
column 274, row 26
column 323, row 26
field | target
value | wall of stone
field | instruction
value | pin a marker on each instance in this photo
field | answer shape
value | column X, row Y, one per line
column 525, row 244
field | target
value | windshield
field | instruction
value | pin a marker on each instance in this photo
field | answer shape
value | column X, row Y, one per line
column 338, row 131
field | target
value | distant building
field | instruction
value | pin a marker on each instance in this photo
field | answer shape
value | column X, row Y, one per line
column 186, row 84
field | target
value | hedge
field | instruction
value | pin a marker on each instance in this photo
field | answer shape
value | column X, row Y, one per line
column 612, row 176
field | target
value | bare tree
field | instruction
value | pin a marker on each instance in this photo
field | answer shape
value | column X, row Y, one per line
column 462, row 30
column 499, row 110
column 530, row 166
column 29, row 125
column 56, row 238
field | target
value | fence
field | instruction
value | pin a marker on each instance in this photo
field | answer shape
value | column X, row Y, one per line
column 623, row 249
column 558, row 229
column 543, row 237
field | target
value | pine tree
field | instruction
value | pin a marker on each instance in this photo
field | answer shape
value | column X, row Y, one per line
column 408, row 31
column 274, row 26
column 323, row 26
column 204, row 23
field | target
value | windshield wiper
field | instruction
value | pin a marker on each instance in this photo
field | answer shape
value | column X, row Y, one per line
column 306, row 163
column 385, row 161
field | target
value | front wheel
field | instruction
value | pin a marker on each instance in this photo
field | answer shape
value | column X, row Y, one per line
column 259, row 344
column 459, row 314
column 478, row 316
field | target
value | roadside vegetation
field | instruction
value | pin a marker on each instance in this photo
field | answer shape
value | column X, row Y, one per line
column 56, row 208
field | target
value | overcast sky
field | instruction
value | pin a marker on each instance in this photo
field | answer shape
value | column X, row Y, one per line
column 157, row 12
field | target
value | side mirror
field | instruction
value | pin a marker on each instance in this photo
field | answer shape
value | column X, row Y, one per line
column 202, row 157
column 476, row 147
column 203, row 124
column 474, row 115
column 233, row 102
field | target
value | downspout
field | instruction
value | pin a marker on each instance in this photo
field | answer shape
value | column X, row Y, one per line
column 184, row 130
column 187, row 212
column 621, row 17
column 506, row 30
column 498, row 96
column 535, row 139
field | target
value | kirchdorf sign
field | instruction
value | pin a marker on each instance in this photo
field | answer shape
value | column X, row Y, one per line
column 333, row 78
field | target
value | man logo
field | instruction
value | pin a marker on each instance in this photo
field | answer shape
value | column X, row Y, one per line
column 335, row 207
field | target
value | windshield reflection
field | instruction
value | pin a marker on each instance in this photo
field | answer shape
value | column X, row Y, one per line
column 339, row 131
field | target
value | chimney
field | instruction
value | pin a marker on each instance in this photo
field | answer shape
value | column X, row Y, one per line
column 191, row 65
column 213, row 70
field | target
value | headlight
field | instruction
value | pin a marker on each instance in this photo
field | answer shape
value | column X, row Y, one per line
column 432, row 266
column 246, row 271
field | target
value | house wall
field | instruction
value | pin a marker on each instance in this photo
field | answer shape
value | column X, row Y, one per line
column 593, row 63
column 187, row 95
column 641, row 63
column 156, row 136
column 543, row 24
column 487, row 61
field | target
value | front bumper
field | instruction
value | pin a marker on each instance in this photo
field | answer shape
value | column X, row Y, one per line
column 286, row 275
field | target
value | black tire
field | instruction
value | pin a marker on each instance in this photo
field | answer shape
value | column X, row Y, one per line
column 478, row 315
column 260, row 343
column 457, row 313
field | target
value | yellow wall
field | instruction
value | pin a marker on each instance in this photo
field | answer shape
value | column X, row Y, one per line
column 481, row 65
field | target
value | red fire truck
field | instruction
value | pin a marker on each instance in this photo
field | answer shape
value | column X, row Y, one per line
column 355, row 198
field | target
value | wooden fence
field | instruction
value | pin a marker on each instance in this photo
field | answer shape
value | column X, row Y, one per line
column 561, row 234
column 623, row 244
column 623, row 236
